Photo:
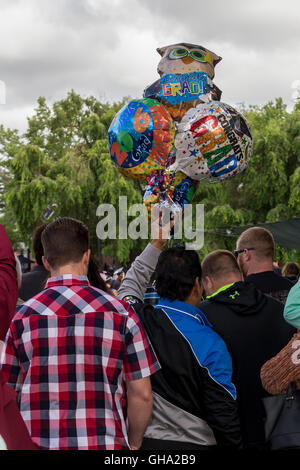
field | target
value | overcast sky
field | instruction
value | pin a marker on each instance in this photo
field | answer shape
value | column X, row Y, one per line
column 107, row 48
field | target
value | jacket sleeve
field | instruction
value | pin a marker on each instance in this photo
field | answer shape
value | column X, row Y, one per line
column 219, row 395
column 12, row 427
column 8, row 283
column 138, row 276
column 277, row 373
column 292, row 306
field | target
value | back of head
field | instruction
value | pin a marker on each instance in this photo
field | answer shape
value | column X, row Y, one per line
column 291, row 269
column 37, row 244
column 176, row 272
column 259, row 239
column 219, row 265
column 65, row 241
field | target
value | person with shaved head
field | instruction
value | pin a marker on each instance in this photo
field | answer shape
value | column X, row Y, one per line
column 255, row 250
column 253, row 328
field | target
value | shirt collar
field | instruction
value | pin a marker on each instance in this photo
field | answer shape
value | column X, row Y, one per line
column 67, row 280
column 184, row 308
column 220, row 290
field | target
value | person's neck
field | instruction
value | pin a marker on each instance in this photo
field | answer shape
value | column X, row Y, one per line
column 72, row 269
column 193, row 302
column 224, row 283
column 260, row 268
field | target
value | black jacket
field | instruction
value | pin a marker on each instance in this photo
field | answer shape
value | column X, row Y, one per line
column 253, row 327
column 33, row 282
column 272, row 284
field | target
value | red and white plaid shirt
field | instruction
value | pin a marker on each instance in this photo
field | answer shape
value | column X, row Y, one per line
column 68, row 351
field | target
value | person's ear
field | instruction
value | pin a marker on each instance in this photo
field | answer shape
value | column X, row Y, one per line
column 247, row 255
column 207, row 284
column 86, row 257
column 46, row 264
column 198, row 287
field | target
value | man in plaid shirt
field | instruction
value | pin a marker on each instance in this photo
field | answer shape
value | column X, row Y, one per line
column 79, row 357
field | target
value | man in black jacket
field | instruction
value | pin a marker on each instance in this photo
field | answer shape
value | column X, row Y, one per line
column 252, row 326
column 194, row 400
column 255, row 250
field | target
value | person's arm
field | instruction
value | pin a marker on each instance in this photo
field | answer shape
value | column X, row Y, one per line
column 138, row 276
column 9, row 361
column 8, row 283
column 13, row 430
column 140, row 362
column 282, row 369
column 292, row 306
column 139, row 410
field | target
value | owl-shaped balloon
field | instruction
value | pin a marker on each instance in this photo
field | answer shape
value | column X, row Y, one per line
column 186, row 58
column 186, row 72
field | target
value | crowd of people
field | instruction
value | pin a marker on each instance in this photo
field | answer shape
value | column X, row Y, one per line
column 173, row 353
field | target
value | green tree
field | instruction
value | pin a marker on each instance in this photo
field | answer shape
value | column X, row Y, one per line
column 268, row 189
column 63, row 159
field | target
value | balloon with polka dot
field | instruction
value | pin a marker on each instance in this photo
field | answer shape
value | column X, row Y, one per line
column 213, row 143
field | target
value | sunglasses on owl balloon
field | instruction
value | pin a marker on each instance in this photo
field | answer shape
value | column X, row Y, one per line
column 237, row 252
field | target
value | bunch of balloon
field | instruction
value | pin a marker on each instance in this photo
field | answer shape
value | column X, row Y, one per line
column 180, row 133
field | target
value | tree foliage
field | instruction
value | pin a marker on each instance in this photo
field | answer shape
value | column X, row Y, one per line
column 268, row 190
column 63, row 159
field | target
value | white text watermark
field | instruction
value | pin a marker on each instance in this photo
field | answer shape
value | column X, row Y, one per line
column 132, row 222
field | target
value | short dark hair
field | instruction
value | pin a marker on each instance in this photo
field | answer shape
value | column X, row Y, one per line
column 176, row 272
column 219, row 263
column 65, row 240
column 37, row 243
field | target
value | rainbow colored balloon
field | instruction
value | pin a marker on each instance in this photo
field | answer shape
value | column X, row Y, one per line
column 141, row 137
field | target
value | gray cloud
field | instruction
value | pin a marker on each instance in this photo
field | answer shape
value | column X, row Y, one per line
column 108, row 47
column 256, row 25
